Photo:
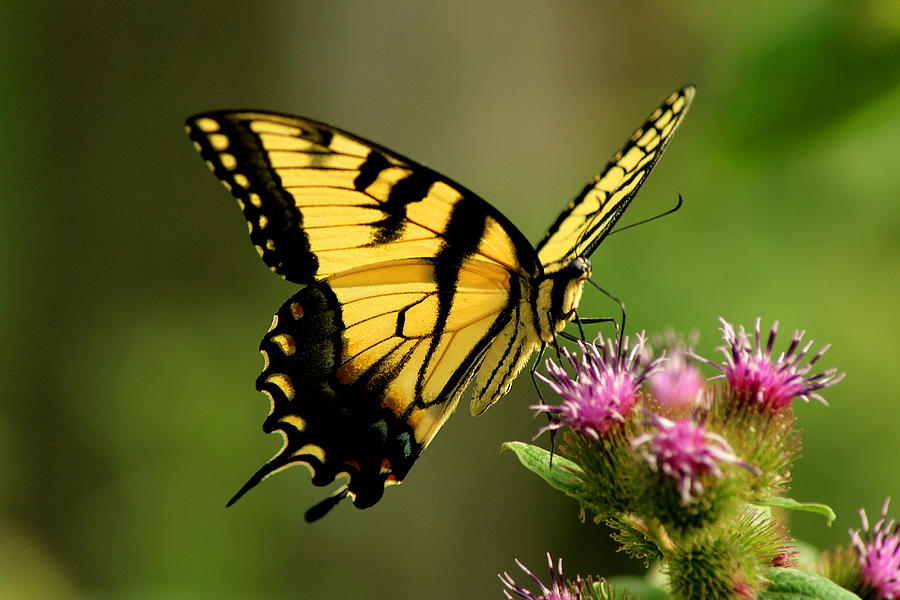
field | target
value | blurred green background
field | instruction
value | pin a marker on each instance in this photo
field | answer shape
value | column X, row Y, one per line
column 132, row 303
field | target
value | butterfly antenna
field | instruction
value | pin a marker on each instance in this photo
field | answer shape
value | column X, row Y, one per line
column 659, row 216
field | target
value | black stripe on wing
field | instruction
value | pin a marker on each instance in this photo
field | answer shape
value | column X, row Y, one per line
column 237, row 157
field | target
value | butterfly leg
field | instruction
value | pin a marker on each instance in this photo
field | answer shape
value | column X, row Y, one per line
column 580, row 321
column 620, row 326
column 570, row 337
column 551, row 419
column 534, row 368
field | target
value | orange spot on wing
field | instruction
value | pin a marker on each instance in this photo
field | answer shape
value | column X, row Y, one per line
column 296, row 310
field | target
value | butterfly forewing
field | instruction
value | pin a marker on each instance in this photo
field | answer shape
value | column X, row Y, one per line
column 319, row 201
column 590, row 216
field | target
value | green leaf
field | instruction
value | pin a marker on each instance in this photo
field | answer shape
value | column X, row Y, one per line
column 791, row 584
column 791, row 504
column 564, row 475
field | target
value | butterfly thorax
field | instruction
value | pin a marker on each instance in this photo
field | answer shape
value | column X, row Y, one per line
column 558, row 295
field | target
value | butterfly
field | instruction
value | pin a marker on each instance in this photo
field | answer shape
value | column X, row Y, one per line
column 414, row 288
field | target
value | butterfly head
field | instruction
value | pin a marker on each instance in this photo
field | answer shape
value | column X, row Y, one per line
column 559, row 295
column 577, row 269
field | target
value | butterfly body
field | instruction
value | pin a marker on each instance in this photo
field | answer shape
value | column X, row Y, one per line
column 415, row 288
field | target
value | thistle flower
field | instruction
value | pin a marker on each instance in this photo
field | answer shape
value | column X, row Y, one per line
column 878, row 551
column 676, row 384
column 559, row 591
column 751, row 371
column 685, row 451
column 607, row 381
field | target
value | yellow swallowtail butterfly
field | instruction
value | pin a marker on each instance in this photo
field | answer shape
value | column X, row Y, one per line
column 414, row 287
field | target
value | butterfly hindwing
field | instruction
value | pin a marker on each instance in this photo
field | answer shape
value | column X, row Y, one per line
column 361, row 375
column 591, row 215
column 337, row 428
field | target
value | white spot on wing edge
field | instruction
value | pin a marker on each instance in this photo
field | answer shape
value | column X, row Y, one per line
column 271, row 399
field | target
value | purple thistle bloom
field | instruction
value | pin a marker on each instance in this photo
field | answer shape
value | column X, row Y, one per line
column 559, row 591
column 685, row 451
column 751, row 371
column 607, row 381
column 677, row 385
column 879, row 554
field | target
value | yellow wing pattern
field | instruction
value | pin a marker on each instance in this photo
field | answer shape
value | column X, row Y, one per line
column 590, row 216
column 389, row 326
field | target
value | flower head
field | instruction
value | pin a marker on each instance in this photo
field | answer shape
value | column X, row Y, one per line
column 687, row 452
column 559, row 591
column 607, row 381
column 677, row 385
column 878, row 551
column 771, row 383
